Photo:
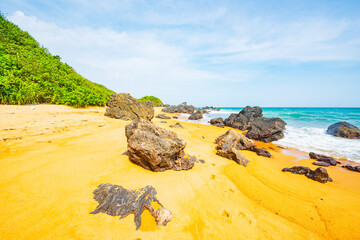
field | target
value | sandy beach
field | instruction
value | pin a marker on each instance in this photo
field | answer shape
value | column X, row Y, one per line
column 53, row 157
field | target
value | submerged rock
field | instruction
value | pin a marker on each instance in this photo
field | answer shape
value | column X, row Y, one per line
column 115, row 200
column 352, row 168
column 344, row 130
column 162, row 116
column 217, row 122
column 181, row 108
column 125, row 107
column 266, row 129
column 196, row 115
column 155, row 148
column 320, row 174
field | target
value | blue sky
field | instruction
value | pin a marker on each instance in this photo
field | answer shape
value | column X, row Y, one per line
column 221, row 53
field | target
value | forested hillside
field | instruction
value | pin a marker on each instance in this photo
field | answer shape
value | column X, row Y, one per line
column 30, row 74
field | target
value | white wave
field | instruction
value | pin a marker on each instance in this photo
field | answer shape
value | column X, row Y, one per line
column 316, row 140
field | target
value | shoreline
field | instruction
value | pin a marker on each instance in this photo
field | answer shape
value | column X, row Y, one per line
column 56, row 156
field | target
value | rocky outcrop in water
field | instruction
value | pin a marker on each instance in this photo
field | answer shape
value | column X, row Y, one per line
column 210, row 108
column 352, row 168
column 344, row 130
column 260, row 128
column 125, row 107
column 196, row 115
column 115, row 200
column 217, row 122
column 155, row 148
column 181, row 108
column 320, row 174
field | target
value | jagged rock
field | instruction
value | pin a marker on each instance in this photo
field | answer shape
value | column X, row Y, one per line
column 344, row 130
column 320, row 174
column 323, row 164
column 352, row 168
column 266, row 129
column 211, row 108
column 313, row 155
column 115, row 200
column 233, row 154
column 181, row 108
column 123, row 106
column 196, row 115
column 261, row 152
column 328, row 160
column 177, row 125
column 162, row 116
column 217, row 122
column 155, row 148
column 243, row 120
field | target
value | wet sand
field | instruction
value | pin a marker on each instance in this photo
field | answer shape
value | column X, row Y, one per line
column 53, row 157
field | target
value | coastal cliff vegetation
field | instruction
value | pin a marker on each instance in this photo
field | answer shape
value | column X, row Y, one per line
column 30, row 74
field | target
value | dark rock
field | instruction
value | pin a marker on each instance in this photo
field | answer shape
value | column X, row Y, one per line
column 320, row 174
column 329, row 160
column 313, row 155
column 175, row 117
column 181, row 108
column 323, row 164
column 261, row 152
column 123, row 106
column 196, row 115
column 266, row 129
column 177, row 125
column 352, row 168
column 210, row 108
column 155, row 148
column 344, row 130
column 163, row 122
column 162, row 116
column 217, row 122
column 243, row 120
column 115, row 200
column 202, row 160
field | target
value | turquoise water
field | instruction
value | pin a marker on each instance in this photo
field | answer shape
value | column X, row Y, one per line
column 306, row 128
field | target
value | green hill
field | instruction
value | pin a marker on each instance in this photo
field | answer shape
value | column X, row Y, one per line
column 30, row 74
column 155, row 100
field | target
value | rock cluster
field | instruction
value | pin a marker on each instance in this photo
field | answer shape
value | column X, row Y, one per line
column 155, row 148
column 115, row 200
column 344, row 130
column 230, row 142
column 177, row 125
column 125, row 107
column 320, row 174
column 352, row 168
column 181, row 108
column 196, row 115
column 260, row 128
column 210, row 108
column 326, row 160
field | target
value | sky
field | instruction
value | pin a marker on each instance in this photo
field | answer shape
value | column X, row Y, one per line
column 208, row 53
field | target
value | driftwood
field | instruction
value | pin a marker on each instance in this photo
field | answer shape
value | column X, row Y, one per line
column 115, row 200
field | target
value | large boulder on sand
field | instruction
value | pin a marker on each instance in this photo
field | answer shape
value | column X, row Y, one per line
column 196, row 115
column 244, row 118
column 125, row 107
column 217, row 122
column 155, row 148
column 344, row 130
column 181, row 108
column 266, row 129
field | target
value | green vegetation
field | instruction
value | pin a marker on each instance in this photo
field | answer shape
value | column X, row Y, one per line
column 30, row 74
column 155, row 100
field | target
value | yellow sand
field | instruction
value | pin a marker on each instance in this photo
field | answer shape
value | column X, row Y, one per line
column 53, row 157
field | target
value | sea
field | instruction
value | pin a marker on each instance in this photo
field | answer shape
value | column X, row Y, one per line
column 306, row 128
